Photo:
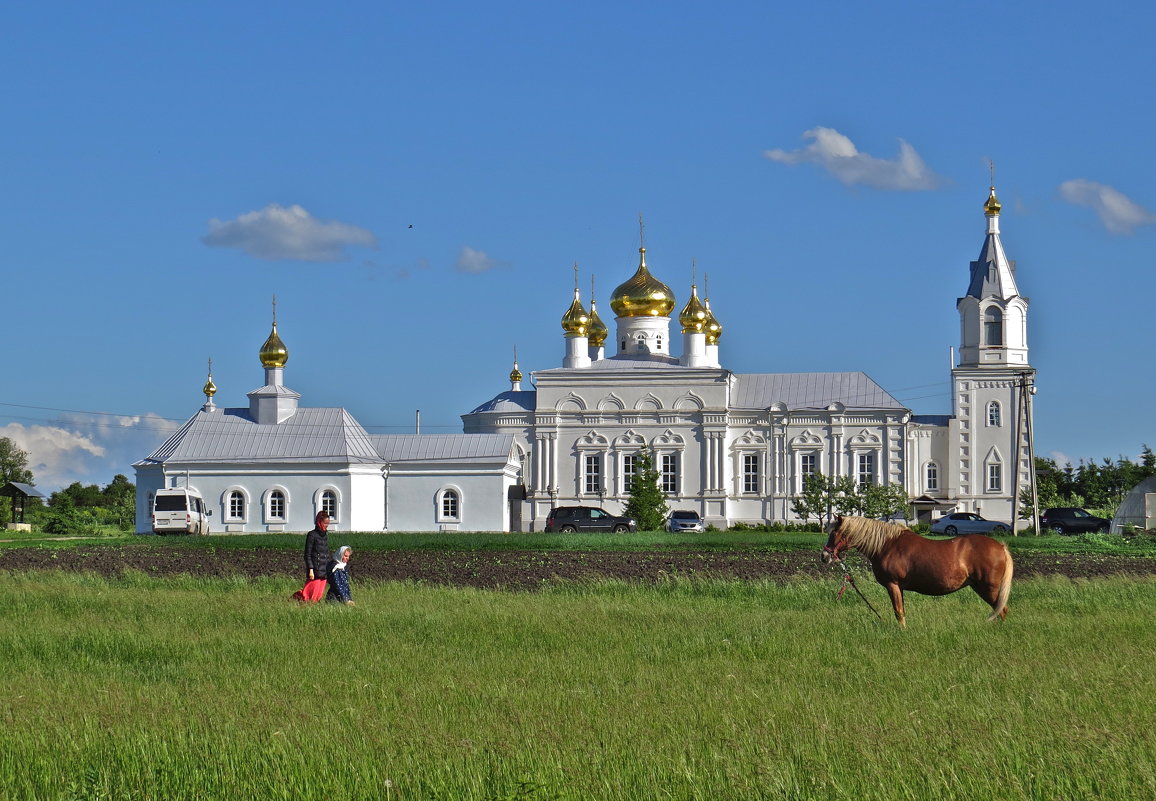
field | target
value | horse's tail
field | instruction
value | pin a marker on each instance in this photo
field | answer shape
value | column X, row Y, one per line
column 1000, row 608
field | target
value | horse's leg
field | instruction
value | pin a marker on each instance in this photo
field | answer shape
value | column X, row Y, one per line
column 897, row 603
column 990, row 593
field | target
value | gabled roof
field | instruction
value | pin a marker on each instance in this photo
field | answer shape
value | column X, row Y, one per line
column 458, row 448
column 327, row 435
column 810, row 391
column 992, row 274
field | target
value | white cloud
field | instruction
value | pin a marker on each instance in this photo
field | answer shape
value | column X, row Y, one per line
column 277, row 232
column 474, row 261
column 1119, row 213
column 1060, row 458
column 87, row 448
column 838, row 155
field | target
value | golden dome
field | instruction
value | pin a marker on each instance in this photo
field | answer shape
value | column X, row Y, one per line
column 597, row 328
column 712, row 326
column 515, row 374
column 575, row 320
column 694, row 315
column 210, row 389
column 643, row 295
column 992, row 206
column 273, row 352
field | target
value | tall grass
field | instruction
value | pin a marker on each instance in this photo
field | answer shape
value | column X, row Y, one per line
column 202, row 689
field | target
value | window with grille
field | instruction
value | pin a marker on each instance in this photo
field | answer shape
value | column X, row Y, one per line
column 670, row 472
column 236, row 505
column 750, row 472
column 629, row 463
column 450, row 505
column 276, row 505
column 866, row 469
column 593, row 473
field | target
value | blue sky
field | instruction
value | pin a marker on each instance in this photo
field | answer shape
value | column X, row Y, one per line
column 414, row 182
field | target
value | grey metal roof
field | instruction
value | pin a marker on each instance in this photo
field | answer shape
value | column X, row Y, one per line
column 810, row 391
column 329, row 435
column 14, row 489
column 472, row 448
column 521, row 401
column 992, row 274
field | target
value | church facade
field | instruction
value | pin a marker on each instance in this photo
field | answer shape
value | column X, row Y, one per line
column 738, row 447
column 734, row 447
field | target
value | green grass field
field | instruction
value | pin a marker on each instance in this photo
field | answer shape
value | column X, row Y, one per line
column 186, row 688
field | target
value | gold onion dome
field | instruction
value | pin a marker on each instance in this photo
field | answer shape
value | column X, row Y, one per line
column 575, row 321
column 210, row 389
column 273, row 352
column 643, row 295
column 712, row 327
column 597, row 328
column 694, row 315
column 515, row 374
column 992, row 206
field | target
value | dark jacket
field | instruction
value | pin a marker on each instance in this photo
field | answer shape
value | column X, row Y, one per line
column 317, row 555
column 339, row 591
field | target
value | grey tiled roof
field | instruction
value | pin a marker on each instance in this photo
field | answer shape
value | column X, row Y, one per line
column 473, row 448
column 810, row 391
column 329, row 435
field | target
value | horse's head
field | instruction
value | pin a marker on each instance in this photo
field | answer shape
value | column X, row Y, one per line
column 836, row 541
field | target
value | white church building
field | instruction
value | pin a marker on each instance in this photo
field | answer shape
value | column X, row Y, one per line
column 735, row 447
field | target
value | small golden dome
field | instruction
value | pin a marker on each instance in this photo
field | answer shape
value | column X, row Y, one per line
column 273, row 352
column 515, row 374
column 643, row 295
column 712, row 326
column 575, row 320
column 210, row 389
column 693, row 316
column 597, row 328
column 992, row 206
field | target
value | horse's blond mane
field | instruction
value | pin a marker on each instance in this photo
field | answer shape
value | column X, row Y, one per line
column 868, row 535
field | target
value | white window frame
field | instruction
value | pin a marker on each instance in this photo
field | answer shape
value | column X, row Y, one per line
column 267, row 505
column 803, row 470
column 870, row 460
column 668, row 480
column 443, row 495
column 752, row 474
column 592, row 481
column 227, row 515
column 994, row 414
column 319, row 502
column 629, row 463
column 931, row 477
column 993, row 477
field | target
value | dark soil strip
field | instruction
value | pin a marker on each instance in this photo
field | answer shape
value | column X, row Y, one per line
column 511, row 569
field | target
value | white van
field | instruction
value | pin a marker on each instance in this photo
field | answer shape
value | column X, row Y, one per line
column 180, row 511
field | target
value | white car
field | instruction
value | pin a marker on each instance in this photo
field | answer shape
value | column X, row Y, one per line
column 684, row 520
column 967, row 523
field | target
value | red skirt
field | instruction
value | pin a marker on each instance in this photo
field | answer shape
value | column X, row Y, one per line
column 311, row 593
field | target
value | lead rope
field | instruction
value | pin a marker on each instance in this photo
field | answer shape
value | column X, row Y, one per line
column 849, row 579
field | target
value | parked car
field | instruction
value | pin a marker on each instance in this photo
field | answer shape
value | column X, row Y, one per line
column 684, row 520
column 180, row 511
column 967, row 523
column 586, row 518
column 1069, row 520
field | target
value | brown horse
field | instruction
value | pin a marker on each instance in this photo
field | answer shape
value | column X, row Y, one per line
column 903, row 560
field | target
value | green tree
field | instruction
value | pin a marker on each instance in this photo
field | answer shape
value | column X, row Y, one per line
column 812, row 501
column 13, row 467
column 647, row 504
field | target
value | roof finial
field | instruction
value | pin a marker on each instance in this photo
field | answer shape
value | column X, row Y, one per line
column 641, row 232
column 693, row 269
column 274, row 308
column 210, row 389
column 575, row 278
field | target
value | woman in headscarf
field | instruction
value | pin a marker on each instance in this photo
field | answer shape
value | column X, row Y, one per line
column 317, row 556
column 339, row 591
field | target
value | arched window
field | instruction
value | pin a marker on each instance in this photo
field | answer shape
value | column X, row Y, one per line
column 450, row 506
column 932, row 477
column 993, row 326
column 329, row 503
column 994, row 416
column 236, row 506
column 276, row 508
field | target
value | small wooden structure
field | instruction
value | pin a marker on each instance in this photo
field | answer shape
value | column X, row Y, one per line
column 19, row 493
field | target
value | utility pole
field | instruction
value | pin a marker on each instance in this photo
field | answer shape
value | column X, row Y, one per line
column 1021, row 391
column 1032, row 454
